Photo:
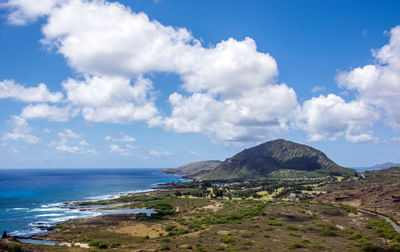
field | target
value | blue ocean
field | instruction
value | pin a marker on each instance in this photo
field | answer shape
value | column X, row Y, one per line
column 30, row 198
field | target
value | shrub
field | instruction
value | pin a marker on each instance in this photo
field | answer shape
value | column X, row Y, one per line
column 228, row 239
column 384, row 229
column 296, row 245
column 355, row 236
column 163, row 208
column 115, row 244
column 292, row 227
column 220, row 248
column 99, row 244
column 294, row 234
column 141, row 216
column 164, row 247
column 248, row 243
column 165, row 239
column 275, row 223
column 248, row 235
column 348, row 231
column 318, row 246
column 348, row 208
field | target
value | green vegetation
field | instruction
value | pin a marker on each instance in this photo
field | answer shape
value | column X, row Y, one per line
column 228, row 239
column 384, row 229
column 99, row 244
column 193, row 168
column 229, row 215
column 348, row 208
column 269, row 157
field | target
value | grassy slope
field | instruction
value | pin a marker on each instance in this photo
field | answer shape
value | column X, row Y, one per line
column 264, row 159
column 376, row 192
column 243, row 225
column 192, row 168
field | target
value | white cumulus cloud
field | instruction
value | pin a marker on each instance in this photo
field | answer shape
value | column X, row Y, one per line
column 112, row 99
column 123, row 138
column 20, row 131
column 330, row 117
column 23, row 11
column 44, row 111
column 10, row 89
column 379, row 84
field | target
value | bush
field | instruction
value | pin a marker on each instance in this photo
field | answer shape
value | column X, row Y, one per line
column 275, row 223
column 355, row 236
column 164, row 247
column 141, row 216
column 115, row 244
column 99, row 244
column 248, row 235
column 384, row 229
column 228, row 239
column 163, row 208
column 294, row 234
column 318, row 246
column 296, row 245
column 166, row 240
column 292, row 227
column 348, row 208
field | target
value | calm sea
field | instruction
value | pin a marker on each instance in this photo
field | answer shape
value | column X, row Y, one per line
column 33, row 198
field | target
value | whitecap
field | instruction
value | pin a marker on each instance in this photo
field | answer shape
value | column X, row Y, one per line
column 63, row 219
column 136, row 191
column 26, row 233
column 51, row 209
column 53, row 205
column 101, row 197
column 20, row 208
column 47, row 215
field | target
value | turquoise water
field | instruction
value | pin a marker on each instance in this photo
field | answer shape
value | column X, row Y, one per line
column 33, row 199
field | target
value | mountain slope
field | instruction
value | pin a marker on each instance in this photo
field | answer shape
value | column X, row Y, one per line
column 262, row 160
column 193, row 168
column 379, row 191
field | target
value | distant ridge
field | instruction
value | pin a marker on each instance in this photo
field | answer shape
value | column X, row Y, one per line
column 272, row 156
column 193, row 168
column 378, row 166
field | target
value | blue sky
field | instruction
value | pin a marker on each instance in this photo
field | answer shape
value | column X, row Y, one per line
column 162, row 83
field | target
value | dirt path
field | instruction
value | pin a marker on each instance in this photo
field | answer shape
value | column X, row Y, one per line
column 394, row 225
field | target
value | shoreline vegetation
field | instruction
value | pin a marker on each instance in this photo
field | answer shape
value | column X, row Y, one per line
column 225, row 215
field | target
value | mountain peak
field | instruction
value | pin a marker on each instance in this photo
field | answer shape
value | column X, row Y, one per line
column 275, row 155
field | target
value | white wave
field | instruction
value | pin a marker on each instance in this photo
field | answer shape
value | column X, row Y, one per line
column 63, row 219
column 47, row 215
column 74, row 211
column 20, row 208
column 51, row 209
column 111, row 196
column 101, row 197
column 26, row 233
column 136, row 191
column 53, row 205
column 42, row 223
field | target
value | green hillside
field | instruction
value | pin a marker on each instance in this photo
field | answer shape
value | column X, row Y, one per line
column 193, row 168
column 273, row 156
